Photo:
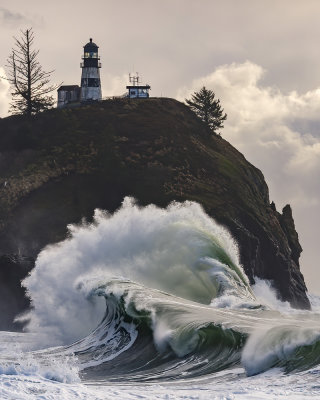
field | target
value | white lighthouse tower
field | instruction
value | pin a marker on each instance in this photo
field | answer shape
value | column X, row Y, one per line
column 90, row 77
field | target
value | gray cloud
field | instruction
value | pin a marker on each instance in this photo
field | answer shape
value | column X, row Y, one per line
column 12, row 19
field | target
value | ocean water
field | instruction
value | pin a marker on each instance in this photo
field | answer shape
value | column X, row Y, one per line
column 152, row 303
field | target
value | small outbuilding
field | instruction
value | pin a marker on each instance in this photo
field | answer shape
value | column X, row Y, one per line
column 138, row 92
column 68, row 94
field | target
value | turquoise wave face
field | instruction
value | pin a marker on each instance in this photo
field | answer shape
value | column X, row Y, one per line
column 149, row 335
column 161, row 338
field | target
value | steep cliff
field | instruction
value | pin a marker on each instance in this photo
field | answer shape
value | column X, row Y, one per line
column 58, row 166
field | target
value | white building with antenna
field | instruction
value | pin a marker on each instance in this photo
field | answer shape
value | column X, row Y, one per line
column 137, row 91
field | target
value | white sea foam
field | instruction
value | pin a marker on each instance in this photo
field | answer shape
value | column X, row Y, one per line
column 267, row 348
column 174, row 249
column 227, row 385
column 278, row 338
column 59, row 369
column 315, row 302
column 267, row 295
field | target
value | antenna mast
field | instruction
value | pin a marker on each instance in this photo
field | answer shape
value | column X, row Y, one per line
column 134, row 79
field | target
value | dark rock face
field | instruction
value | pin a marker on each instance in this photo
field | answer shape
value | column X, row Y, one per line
column 287, row 224
column 13, row 269
column 267, row 256
column 57, row 167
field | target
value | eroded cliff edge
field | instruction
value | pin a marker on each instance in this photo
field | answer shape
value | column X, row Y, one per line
column 57, row 167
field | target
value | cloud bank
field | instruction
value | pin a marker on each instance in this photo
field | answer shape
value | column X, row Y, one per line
column 280, row 134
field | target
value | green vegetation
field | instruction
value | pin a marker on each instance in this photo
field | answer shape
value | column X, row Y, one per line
column 209, row 110
column 155, row 150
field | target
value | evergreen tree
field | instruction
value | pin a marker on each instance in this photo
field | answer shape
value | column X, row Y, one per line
column 209, row 110
column 29, row 83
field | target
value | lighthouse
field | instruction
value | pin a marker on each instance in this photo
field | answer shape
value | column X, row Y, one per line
column 90, row 77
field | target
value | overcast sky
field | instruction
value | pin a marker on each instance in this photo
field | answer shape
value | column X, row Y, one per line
column 261, row 58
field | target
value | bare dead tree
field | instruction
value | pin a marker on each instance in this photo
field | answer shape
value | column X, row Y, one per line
column 30, row 84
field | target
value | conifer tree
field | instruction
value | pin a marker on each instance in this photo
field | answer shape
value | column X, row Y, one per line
column 29, row 83
column 208, row 109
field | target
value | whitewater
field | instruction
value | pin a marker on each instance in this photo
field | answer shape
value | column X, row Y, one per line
column 152, row 303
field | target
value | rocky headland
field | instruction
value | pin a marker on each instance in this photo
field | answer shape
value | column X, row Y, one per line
column 58, row 166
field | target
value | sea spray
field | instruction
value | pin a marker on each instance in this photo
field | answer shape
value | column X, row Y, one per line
column 59, row 368
column 179, row 250
column 267, row 295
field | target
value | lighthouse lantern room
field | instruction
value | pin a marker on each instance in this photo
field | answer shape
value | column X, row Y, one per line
column 90, row 77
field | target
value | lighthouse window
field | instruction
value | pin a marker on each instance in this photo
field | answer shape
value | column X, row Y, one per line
column 84, row 82
column 90, row 54
column 93, row 82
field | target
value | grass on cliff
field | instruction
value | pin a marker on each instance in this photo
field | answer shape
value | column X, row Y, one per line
column 154, row 149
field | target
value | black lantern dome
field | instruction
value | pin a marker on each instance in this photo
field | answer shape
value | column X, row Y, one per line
column 90, row 56
column 90, row 46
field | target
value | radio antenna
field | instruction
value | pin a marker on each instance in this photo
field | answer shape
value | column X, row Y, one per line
column 134, row 79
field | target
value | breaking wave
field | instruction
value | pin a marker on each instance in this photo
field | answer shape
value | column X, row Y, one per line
column 151, row 294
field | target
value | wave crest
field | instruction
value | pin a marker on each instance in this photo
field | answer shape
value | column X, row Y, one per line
column 179, row 250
